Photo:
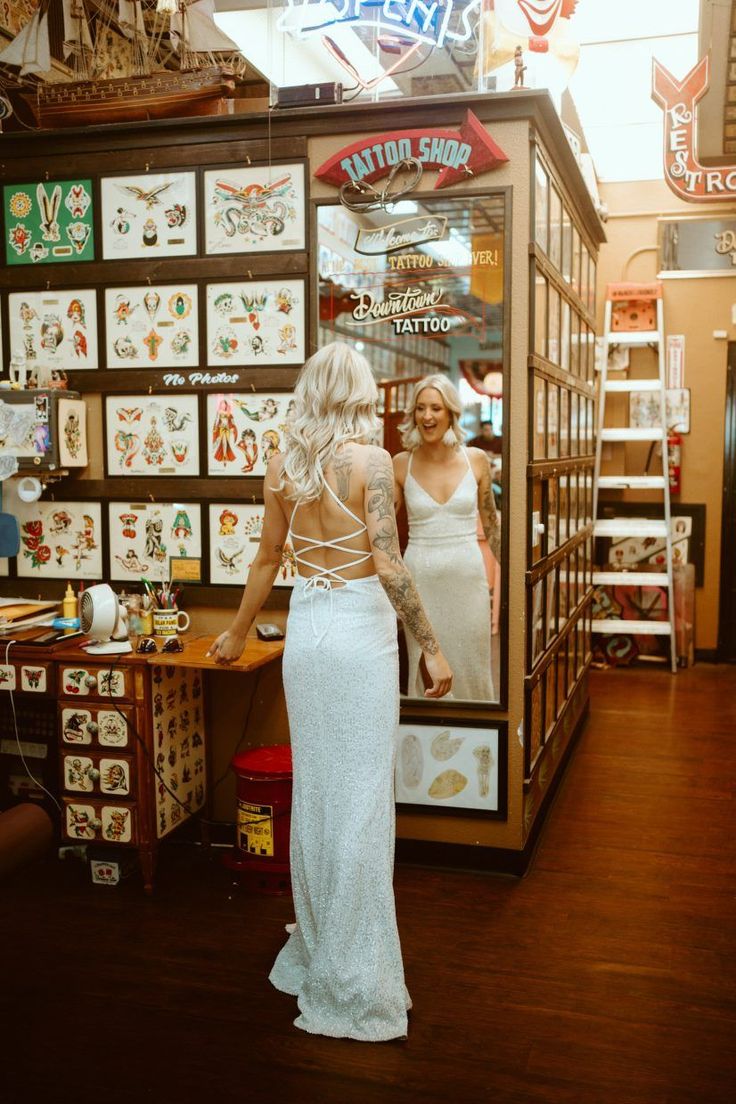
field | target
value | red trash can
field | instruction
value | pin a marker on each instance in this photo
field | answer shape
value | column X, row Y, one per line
column 261, row 853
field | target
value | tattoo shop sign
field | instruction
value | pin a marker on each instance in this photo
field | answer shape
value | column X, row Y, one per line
column 412, row 309
column 459, row 154
column 684, row 173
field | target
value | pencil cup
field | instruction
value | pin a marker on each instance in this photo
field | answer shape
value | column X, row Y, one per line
column 167, row 623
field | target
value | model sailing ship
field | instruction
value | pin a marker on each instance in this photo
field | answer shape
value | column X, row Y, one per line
column 199, row 85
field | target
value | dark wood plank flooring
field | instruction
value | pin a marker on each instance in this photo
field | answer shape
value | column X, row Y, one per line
column 606, row 975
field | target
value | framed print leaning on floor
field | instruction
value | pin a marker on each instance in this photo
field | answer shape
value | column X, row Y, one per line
column 456, row 766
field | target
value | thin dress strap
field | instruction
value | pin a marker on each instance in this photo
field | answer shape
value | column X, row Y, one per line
column 330, row 574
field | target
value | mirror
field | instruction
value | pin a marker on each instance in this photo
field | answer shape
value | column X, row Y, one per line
column 418, row 288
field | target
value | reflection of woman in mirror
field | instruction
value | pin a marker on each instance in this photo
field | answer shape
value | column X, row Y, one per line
column 444, row 486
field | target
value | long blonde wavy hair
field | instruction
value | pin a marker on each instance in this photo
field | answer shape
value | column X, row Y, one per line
column 411, row 438
column 335, row 401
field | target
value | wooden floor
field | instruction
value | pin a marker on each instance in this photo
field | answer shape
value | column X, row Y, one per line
column 607, row 975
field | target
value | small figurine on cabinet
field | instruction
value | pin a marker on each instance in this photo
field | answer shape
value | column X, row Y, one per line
column 519, row 68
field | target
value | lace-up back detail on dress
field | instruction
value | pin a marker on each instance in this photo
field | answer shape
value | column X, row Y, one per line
column 329, row 575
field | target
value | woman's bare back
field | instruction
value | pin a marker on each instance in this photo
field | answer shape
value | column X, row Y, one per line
column 327, row 520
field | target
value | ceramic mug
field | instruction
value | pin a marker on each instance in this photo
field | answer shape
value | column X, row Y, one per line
column 166, row 622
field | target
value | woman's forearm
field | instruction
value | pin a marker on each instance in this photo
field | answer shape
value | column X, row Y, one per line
column 260, row 581
column 404, row 597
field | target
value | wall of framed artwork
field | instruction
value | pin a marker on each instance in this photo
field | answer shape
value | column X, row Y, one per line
column 255, row 209
column 245, row 430
column 149, row 215
column 55, row 328
column 256, row 322
column 152, row 326
column 152, row 435
column 60, row 540
column 143, row 536
column 453, row 767
column 235, row 532
column 48, row 221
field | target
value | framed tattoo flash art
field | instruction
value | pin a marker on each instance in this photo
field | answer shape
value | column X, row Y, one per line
column 55, row 328
column 152, row 326
column 59, row 540
column 152, row 435
column 254, row 210
column 235, row 533
column 259, row 322
column 145, row 535
column 48, row 222
column 149, row 215
column 245, row 430
column 456, row 766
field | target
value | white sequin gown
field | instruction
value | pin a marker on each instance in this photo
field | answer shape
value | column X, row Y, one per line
column 446, row 563
column 341, row 679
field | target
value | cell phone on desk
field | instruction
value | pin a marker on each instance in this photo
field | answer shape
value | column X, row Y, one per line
column 268, row 631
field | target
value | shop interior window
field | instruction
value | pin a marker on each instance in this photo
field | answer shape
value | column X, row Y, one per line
column 555, row 229
column 566, row 245
column 553, row 338
column 541, row 207
column 540, row 314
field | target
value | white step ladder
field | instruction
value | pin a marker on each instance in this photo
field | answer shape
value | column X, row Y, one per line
column 659, row 525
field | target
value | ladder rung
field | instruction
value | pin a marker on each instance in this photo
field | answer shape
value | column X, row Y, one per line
column 633, row 337
column 626, row 433
column 643, row 628
column 630, row 527
column 631, row 482
column 630, row 578
column 634, row 385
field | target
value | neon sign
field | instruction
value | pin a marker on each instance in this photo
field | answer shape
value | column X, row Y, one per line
column 432, row 23
column 684, row 173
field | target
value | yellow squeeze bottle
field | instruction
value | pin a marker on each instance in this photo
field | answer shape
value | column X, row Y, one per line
column 69, row 604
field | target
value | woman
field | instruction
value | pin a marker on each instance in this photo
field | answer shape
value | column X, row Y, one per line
column 444, row 486
column 331, row 494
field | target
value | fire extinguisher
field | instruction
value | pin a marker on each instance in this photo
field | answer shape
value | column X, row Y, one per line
column 674, row 456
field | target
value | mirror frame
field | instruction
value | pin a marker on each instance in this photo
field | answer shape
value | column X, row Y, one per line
column 422, row 706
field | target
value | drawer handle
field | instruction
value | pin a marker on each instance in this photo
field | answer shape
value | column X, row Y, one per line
column 90, row 681
column 92, row 727
column 94, row 775
column 95, row 825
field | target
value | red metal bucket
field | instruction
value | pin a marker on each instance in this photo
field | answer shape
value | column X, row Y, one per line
column 261, row 854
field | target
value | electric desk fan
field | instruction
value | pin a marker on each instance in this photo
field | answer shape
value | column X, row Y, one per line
column 105, row 619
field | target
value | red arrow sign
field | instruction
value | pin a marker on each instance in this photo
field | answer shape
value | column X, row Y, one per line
column 685, row 174
column 458, row 154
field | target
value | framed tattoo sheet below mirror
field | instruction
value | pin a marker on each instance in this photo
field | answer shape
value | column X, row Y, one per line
column 48, row 222
column 245, row 430
column 54, row 329
column 452, row 767
column 235, row 533
column 254, row 210
column 144, row 536
column 259, row 322
column 149, row 215
column 152, row 327
column 152, row 434
column 59, row 540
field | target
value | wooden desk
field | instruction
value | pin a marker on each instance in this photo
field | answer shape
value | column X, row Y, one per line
column 257, row 654
column 131, row 736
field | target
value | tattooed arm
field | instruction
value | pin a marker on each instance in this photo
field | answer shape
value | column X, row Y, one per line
column 487, row 508
column 391, row 570
column 230, row 644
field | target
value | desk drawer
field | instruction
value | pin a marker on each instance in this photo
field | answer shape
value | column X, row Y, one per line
column 108, row 774
column 97, row 819
column 27, row 678
column 96, row 725
column 96, row 682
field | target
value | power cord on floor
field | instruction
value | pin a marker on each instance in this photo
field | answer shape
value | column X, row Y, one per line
column 17, row 737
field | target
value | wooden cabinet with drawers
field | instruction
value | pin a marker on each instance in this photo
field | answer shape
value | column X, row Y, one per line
column 131, row 750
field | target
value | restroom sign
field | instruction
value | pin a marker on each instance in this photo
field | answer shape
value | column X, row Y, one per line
column 684, row 173
column 459, row 154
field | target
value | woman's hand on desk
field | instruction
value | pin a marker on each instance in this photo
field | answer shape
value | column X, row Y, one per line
column 228, row 646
